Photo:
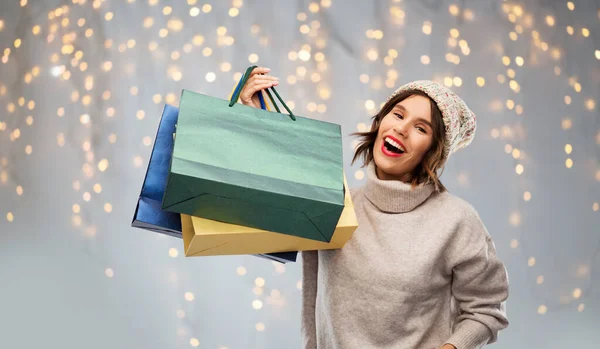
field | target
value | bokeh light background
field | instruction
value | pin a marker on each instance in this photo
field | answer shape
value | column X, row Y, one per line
column 82, row 86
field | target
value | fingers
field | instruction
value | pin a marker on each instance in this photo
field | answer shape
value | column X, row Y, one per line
column 262, row 78
column 250, row 90
column 262, row 81
column 257, row 83
column 260, row 73
column 260, row 70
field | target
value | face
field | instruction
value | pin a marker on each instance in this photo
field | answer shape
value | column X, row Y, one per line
column 405, row 136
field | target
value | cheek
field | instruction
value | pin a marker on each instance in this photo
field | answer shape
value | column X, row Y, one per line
column 386, row 123
column 424, row 143
column 382, row 129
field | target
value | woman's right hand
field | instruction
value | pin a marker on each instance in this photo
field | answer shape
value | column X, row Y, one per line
column 257, row 82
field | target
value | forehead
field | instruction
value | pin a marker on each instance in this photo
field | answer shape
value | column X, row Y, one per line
column 415, row 106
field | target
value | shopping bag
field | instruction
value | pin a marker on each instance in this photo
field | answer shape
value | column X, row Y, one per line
column 251, row 167
column 148, row 214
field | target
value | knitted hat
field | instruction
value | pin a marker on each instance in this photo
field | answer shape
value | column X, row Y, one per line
column 460, row 122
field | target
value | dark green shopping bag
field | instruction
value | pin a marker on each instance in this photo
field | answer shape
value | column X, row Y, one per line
column 256, row 168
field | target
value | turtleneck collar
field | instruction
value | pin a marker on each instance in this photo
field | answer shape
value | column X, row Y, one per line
column 394, row 196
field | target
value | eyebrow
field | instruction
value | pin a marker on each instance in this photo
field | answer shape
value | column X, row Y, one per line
column 402, row 109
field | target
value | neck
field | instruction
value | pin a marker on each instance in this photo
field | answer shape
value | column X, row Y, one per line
column 406, row 177
column 392, row 195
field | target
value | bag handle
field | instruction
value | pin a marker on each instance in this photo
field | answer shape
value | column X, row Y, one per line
column 243, row 82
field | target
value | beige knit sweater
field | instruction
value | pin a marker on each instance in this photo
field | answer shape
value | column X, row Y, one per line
column 419, row 272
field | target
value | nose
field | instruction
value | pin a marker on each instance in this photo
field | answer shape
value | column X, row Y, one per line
column 400, row 128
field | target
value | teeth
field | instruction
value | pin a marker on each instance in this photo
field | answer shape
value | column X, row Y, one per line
column 394, row 144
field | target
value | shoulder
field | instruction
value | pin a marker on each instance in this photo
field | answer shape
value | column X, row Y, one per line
column 467, row 233
column 454, row 206
column 465, row 225
column 354, row 191
column 353, row 196
column 357, row 196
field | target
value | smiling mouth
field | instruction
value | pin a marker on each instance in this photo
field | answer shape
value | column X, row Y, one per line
column 393, row 146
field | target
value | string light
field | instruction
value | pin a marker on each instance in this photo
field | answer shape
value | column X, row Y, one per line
column 570, row 30
column 257, row 304
column 427, row 28
column 468, row 15
column 569, row 163
column 519, row 169
column 515, row 219
column 590, row 104
column 585, row 32
column 109, row 273
column 568, row 148
column 454, row 10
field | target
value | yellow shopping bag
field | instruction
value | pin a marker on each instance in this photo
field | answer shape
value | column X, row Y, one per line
column 204, row 237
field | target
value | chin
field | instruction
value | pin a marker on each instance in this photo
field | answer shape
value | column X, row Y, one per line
column 388, row 168
column 392, row 168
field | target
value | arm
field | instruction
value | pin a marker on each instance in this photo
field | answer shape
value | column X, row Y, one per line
column 480, row 288
column 310, row 266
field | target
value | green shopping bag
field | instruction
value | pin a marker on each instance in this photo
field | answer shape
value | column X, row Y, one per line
column 256, row 168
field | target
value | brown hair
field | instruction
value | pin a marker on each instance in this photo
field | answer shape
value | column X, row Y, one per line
column 433, row 161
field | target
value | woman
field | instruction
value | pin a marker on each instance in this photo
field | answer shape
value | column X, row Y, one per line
column 421, row 271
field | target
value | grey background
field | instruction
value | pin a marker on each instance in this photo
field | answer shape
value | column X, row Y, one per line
column 55, row 288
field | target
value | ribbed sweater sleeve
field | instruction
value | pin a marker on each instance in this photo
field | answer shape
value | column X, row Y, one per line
column 479, row 286
column 310, row 267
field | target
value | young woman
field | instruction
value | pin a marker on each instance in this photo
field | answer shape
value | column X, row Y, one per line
column 421, row 271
